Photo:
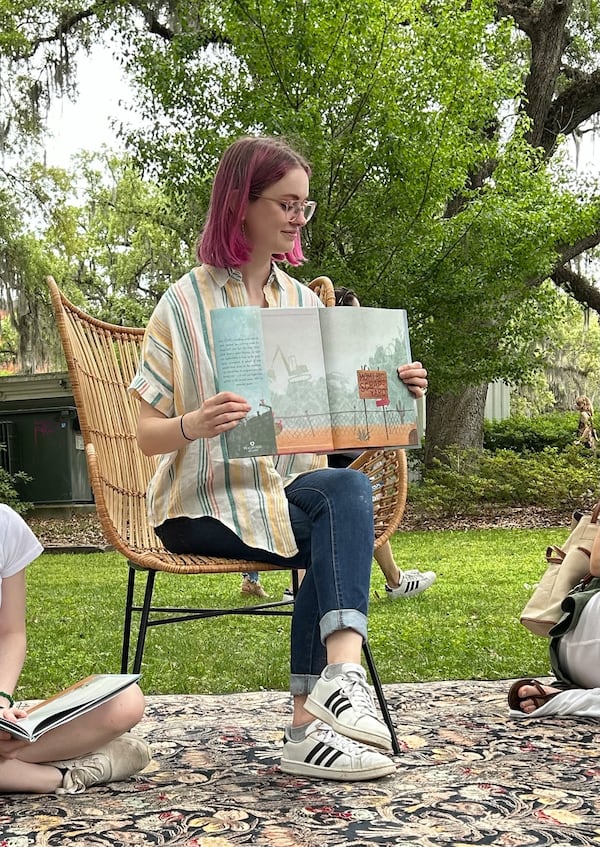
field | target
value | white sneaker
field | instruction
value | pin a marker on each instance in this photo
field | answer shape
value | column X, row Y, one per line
column 116, row 761
column 411, row 584
column 345, row 703
column 328, row 755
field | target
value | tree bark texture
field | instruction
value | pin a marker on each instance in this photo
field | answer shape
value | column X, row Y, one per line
column 454, row 419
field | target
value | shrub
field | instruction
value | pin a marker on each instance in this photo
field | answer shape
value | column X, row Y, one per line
column 473, row 481
column 8, row 491
column 523, row 434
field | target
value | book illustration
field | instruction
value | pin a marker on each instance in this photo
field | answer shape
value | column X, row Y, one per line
column 63, row 707
column 369, row 405
column 318, row 380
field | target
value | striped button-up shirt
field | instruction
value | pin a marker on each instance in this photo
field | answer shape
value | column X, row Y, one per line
column 176, row 374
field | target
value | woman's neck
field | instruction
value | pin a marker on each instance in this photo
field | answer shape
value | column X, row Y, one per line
column 255, row 275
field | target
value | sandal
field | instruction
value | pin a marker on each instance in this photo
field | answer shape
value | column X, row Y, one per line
column 515, row 701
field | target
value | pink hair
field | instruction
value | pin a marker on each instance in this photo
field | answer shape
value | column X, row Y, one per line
column 248, row 167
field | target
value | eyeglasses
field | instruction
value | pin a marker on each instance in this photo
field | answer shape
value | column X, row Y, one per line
column 294, row 208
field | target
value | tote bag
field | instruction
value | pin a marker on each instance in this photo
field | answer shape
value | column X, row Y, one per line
column 567, row 566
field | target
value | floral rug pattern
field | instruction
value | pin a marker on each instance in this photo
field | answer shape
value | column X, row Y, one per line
column 468, row 774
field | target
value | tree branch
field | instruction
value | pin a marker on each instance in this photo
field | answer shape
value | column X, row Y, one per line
column 573, row 107
column 69, row 23
column 578, row 286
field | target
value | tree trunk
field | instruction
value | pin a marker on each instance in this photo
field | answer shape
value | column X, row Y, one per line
column 454, row 420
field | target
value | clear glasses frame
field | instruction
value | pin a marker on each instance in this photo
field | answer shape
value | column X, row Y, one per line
column 294, row 208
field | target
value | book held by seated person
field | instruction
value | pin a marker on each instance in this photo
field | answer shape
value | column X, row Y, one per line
column 318, row 380
column 63, row 707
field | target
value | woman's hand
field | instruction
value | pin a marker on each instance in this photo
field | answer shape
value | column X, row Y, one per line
column 414, row 376
column 158, row 434
column 216, row 415
column 9, row 746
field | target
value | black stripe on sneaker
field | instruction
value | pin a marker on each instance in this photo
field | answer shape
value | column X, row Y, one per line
column 322, row 755
column 337, row 703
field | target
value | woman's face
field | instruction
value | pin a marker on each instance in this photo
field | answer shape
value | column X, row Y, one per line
column 269, row 227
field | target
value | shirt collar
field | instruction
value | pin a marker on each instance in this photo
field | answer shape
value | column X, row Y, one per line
column 222, row 275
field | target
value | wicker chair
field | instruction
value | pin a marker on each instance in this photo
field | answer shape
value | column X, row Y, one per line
column 102, row 359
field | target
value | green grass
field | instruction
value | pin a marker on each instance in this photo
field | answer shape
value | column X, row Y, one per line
column 465, row 627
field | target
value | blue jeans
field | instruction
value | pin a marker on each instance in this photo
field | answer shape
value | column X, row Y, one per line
column 331, row 511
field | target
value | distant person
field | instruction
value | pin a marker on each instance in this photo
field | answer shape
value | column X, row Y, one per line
column 89, row 750
column 586, row 432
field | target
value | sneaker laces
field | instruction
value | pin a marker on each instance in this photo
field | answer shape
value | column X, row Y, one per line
column 323, row 732
column 356, row 689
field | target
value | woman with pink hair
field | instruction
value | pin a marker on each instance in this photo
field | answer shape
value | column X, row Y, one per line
column 290, row 511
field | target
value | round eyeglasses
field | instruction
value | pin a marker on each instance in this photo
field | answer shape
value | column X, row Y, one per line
column 294, row 208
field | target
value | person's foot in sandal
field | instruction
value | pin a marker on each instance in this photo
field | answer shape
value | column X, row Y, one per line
column 527, row 695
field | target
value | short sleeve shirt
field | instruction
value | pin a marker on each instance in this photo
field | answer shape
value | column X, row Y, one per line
column 176, row 374
column 18, row 545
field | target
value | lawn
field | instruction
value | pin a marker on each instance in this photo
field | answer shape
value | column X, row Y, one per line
column 466, row 626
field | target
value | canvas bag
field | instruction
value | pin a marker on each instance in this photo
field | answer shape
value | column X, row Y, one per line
column 567, row 566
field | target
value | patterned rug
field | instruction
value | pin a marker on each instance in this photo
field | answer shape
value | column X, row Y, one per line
column 468, row 774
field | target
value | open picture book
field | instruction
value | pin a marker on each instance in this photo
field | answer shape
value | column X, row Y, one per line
column 63, row 707
column 318, row 380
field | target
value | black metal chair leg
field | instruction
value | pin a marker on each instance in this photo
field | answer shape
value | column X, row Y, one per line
column 145, row 614
column 127, row 620
column 380, row 696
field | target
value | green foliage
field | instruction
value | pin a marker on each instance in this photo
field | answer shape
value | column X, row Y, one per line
column 464, row 627
column 473, row 481
column 570, row 356
column 523, row 434
column 8, row 492
column 395, row 128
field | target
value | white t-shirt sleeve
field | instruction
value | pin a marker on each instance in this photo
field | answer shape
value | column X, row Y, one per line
column 18, row 544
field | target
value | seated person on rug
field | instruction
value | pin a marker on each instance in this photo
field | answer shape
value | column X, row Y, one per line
column 574, row 658
column 92, row 749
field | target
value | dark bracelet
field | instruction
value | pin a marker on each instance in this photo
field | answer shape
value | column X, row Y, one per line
column 187, row 438
column 8, row 697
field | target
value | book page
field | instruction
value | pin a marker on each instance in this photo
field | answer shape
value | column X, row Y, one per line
column 273, row 358
column 370, row 407
column 241, row 368
column 297, row 382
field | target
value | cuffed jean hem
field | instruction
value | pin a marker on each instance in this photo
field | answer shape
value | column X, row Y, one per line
column 302, row 684
column 342, row 619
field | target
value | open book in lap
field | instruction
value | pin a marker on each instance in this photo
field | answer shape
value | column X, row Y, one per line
column 82, row 697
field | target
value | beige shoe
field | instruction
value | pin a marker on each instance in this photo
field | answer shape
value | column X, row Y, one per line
column 253, row 588
column 117, row 760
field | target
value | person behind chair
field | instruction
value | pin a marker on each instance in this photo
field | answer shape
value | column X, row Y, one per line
column 92, row 749
column 399, row 584
column 291, row 510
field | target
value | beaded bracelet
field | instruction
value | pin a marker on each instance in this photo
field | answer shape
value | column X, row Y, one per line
column 187, row 438
column 8, row 697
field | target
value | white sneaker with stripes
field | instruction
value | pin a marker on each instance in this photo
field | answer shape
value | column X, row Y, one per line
column 411, row 584
column 345, row 702
column 325, row 754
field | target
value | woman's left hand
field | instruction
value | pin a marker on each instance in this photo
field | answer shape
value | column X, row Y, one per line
column 414, row 376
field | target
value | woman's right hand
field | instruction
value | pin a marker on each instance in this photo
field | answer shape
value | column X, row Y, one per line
column 158, row 434
column 216, row 415
column 9, row 745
